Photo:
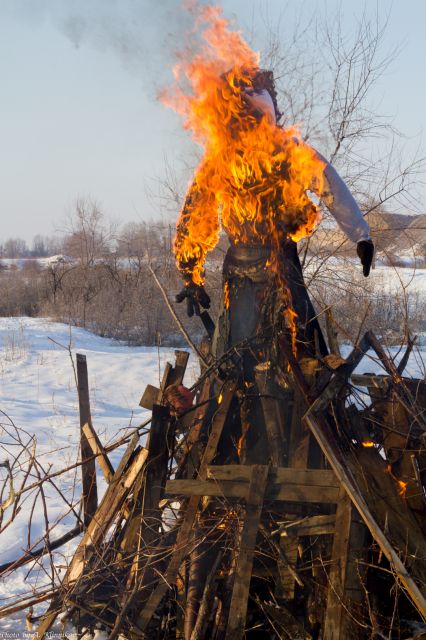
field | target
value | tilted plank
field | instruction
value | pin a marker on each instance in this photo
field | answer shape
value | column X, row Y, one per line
column 98, row 450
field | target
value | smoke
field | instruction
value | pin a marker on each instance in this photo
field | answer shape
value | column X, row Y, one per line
column 143, row 34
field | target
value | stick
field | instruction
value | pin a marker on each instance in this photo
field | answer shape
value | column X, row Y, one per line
column 176, row 319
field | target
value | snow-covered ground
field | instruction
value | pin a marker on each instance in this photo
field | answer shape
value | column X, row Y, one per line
column 38, row 395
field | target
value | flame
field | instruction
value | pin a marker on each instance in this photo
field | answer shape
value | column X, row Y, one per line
column 368, row 444
column 255, row 173
column 401, row 485
column 226, row 295
column 240, row 446
column 220, row 398
column 227, row 519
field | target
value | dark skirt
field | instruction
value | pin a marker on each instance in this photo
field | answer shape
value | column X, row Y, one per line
column 254, row 314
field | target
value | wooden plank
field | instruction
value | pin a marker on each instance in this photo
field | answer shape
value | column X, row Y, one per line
column 312, row 526
column 244, row 566
column 276, row 436
column 299, row 435
column 149, row 397
column 335, row 609
column 178, row 371
column 114, row 496
column 280, row 475
column 181, row 545
column 98, row 450
column 155, row 480
column 88, row 468
column 237, row 490
column 172, row 375
column 144, row 529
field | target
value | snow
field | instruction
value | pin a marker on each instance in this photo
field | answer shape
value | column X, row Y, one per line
column 38, row 395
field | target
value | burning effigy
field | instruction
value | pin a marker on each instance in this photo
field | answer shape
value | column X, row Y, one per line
column 267, row 501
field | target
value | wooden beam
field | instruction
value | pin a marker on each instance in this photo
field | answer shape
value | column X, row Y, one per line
column 235, row 489
column 88, row 467
column 244, row 566
column 313, row 526
column 181, row 546
column 335, row 610
column 280, row 475
column 268, row 394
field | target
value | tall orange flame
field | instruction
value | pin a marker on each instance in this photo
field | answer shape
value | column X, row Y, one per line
column 256, row 174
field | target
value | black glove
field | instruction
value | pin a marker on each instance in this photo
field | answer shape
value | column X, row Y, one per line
column 195, row 295
column 365, row 251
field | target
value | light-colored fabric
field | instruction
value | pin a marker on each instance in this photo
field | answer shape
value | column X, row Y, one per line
column 262, row 101
column 340, row 202
column 342, row 205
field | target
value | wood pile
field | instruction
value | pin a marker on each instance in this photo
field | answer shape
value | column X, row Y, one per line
column 322, row 538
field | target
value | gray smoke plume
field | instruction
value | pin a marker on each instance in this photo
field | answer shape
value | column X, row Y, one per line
column 143, row 33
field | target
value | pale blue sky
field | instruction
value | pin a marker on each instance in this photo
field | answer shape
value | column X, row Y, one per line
column 79, row 115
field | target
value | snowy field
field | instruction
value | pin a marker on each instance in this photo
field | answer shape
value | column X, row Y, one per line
column 38, row 395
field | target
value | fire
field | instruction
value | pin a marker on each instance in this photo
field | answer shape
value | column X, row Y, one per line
column 226, row 295
column 401, row 485
column 256, row 174
column 368, row 444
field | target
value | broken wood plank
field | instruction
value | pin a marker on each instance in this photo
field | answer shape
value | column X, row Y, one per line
column 243, row 569
column 88, row 467
column 98, row 450
column 181, row 545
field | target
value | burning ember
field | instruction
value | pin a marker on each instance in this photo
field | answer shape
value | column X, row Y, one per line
column 255, row 173
column 401, row 485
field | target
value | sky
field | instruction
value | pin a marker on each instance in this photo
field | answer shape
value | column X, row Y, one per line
column 80, row 117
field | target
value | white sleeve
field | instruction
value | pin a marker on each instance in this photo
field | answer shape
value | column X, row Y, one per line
column 342, row 205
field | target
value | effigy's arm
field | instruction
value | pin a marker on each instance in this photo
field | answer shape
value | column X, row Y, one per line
column 197, row 230
column 342, row 205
